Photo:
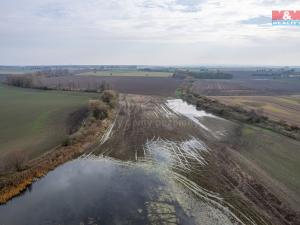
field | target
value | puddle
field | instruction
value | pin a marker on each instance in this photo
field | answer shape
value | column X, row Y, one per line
column 213, row 125
column 183, row 108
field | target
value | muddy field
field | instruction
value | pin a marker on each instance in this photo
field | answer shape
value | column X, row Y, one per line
column 143, row 118
column 163, row 86
column 162, row 162
column 198, row 147
column 248, row 87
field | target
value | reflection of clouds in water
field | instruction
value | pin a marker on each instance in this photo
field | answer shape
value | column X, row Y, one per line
column 171, row 159
column 198, row 117
column 179, row 154
column 109, row 190
column 189, row 111
column 92, row 187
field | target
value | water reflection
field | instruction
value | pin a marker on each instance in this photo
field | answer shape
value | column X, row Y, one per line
column 90, row 191
column 97, row 190
column 181, row 107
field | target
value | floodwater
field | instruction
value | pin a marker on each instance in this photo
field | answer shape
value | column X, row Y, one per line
column 189, row 111
column 97, row 190
column 153, row 189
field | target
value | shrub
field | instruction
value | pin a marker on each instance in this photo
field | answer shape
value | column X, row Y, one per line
column 98, row 108
column 109, row 97
column 16, row 160
column 66, row 141
column 294, row 127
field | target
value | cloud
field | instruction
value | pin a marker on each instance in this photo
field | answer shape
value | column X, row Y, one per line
column 190, row 5
column 86, row 28
column 257, row 20
column 276, row 2
column 52, row 10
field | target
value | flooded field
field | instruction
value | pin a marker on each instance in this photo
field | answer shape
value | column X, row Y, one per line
column 105, row 191
column 146, row 170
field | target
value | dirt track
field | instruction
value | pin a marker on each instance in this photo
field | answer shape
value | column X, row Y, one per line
column 148, row 122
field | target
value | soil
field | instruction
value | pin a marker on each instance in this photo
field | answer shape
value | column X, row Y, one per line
column 144, row 118
column 162, row 86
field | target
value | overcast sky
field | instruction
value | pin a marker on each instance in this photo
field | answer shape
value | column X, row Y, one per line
column 148, row 32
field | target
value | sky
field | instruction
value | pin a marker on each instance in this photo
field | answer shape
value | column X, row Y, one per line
column 146, row 32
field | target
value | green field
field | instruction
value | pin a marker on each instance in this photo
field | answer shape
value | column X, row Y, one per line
column 275, row 154
column 35, row 121
column 127, row 74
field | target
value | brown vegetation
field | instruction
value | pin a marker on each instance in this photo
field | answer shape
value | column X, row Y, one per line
column 15, row 160
column 98, row 109
column 248, row 87
column 133, row 85
column 109, row 97
column 240, row 114
column 24, row 81
column 165, row 86
column 279, row 108
column 35, row 81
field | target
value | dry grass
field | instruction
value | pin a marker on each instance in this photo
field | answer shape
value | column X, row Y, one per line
column 279, row 108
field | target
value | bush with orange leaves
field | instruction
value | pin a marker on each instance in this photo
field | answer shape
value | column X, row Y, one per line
column 98, row 109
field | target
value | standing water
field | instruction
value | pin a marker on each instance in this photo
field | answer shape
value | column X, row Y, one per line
column 103, row 190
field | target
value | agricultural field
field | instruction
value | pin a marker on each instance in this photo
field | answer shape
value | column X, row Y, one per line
column 163, row 86
column 33, row 121
column 169, row 130
column 221, row 170
column 275, row 158
column 135, row 73
column 15, row 70
column 171, row 154
column 279, row 108
column 248, row 87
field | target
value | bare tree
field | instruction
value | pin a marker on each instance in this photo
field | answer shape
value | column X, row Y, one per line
column 16, row 160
